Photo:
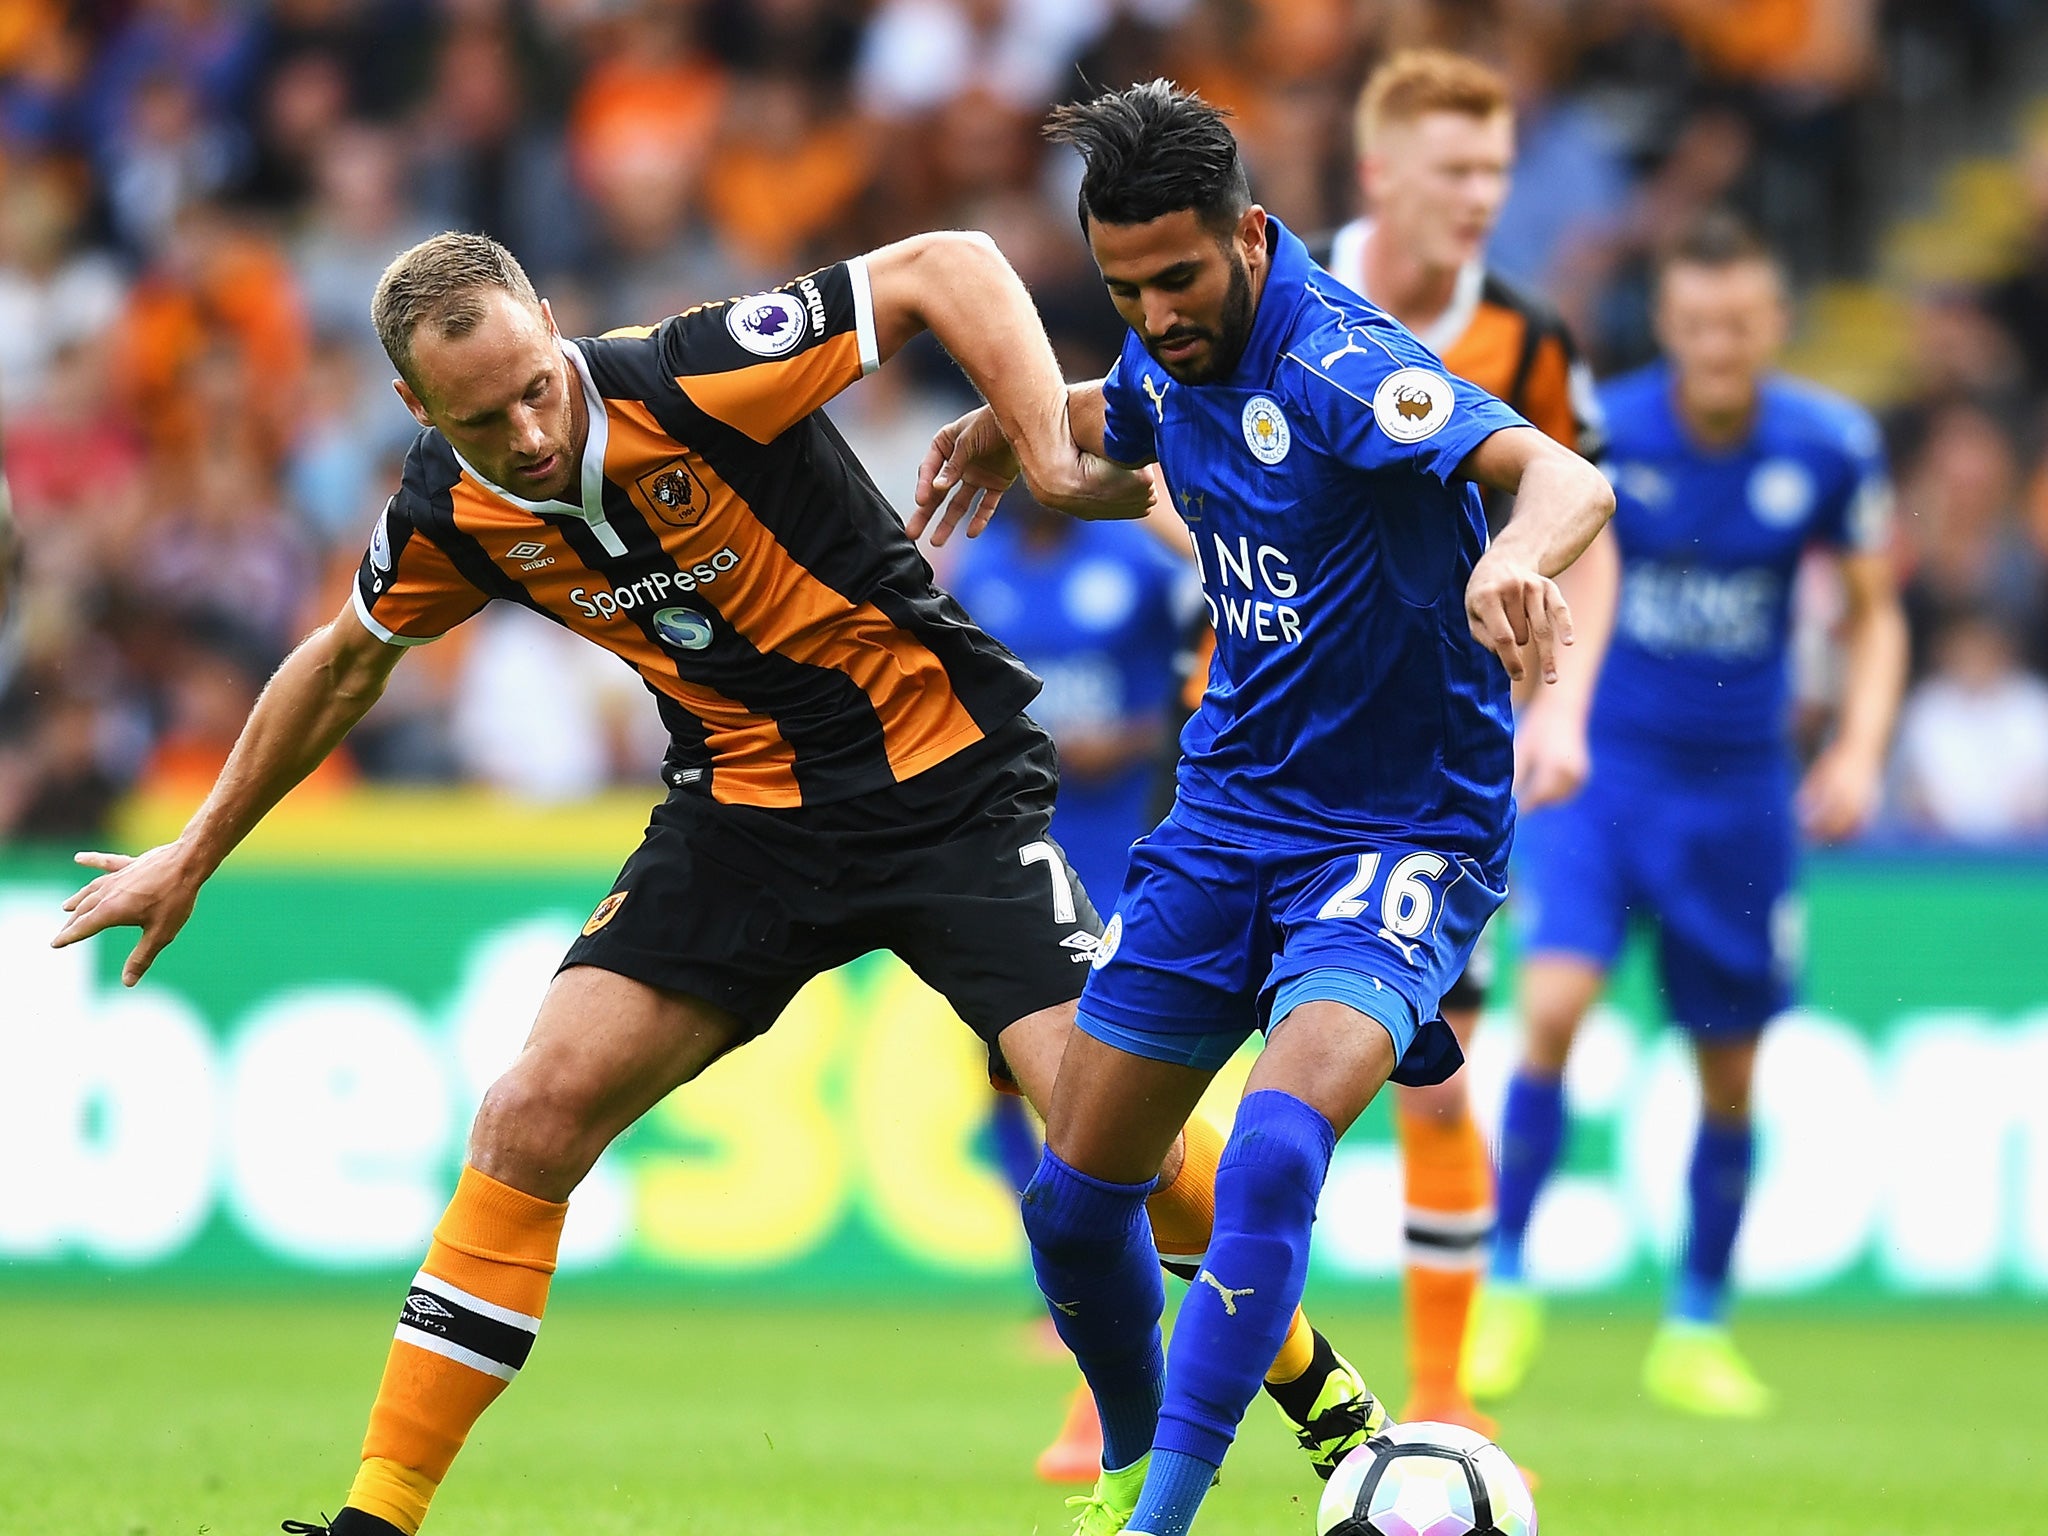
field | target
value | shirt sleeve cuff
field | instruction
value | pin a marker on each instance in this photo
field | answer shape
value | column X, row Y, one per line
column 864, row 314
column 387, row 636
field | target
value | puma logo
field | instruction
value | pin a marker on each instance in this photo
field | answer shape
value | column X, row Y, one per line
column 1350, row 346
column 1229, row 1296
column 1407, row 949
column 1157, row 395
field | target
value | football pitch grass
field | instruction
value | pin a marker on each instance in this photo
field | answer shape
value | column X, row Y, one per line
column 172, row 1417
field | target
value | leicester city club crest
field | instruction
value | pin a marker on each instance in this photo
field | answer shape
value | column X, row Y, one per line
column 1265, row 430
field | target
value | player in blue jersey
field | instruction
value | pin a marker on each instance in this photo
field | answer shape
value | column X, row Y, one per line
column 1727, row 475
column 1341, row 827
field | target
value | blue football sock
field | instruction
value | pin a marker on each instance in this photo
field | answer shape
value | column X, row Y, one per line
column 1531, row 1137
column 1091, row 1246
column 1009, row 1127
column 1174, row 1487
column 1719, row 1185
column 1238, row 1310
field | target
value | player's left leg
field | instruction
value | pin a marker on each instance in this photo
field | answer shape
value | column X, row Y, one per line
column 1447, row 1218
column 1322, row 1065
column 1311, row 1384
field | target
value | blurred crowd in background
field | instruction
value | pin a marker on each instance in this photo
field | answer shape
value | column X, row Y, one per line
column 197, row 197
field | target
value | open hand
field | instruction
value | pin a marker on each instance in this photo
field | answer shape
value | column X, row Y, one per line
column 154, row 892
column 1517, row 613
column 964, row 474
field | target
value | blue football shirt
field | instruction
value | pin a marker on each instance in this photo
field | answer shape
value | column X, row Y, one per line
column 1711, row 541
column 1099, row 616
column 1347, row 698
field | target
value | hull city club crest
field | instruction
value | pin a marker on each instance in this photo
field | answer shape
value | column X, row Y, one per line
column 674, row 494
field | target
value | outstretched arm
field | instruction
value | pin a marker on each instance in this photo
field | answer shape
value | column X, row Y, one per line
column 959, row 287
column 1561, row 503
column 317, row 696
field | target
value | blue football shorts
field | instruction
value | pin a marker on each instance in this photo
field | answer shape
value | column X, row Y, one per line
column 1704, row 849
column 1212, row 939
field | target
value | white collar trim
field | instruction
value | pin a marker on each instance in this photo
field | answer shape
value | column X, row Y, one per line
column 592, row 509
column 1347, row 264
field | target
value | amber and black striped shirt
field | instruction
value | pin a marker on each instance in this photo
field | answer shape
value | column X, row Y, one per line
column 729, row 547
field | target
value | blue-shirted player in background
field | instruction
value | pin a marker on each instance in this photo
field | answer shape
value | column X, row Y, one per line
column 1097, row 610
column 1726, row 475
column 1341, row 828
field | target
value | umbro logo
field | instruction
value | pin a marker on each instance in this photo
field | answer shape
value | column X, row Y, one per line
column 420, row 1304
column 531, row 554
column 1084, row 946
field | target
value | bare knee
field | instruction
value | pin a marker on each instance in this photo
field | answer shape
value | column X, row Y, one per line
column 538, row 1132
column 1727, row 1071
column 1555, row 997
column 1445, row 1103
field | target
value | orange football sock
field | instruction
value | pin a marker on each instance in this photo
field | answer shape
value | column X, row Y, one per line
column 464, row 1332
column 1184, row 1219
column 1184, row 1212
column 1449, row 1195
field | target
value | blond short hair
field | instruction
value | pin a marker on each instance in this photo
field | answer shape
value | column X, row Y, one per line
column 1418, row 81
column 441, row 282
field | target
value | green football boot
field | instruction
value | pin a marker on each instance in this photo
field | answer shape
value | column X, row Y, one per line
column 1329, row 1408
column 1696, row 1369
column 1107, row 1510
column 1501, row 1344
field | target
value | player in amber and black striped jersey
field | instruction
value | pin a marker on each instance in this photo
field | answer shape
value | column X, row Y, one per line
column 850, row 766
column 724, row 542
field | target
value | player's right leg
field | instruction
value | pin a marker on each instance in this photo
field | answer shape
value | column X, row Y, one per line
column 603, row 1051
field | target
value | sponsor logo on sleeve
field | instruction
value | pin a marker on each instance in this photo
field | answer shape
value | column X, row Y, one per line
column 380, row 541
column 1266, row 431
column 768, row 324
column 1412, row 404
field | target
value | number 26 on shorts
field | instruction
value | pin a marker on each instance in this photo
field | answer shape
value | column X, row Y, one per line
column 1406, row 901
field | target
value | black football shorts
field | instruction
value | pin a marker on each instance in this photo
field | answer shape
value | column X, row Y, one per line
column 955, row 870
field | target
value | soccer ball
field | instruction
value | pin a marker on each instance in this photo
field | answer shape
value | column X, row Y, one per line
column 1427, row 1480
